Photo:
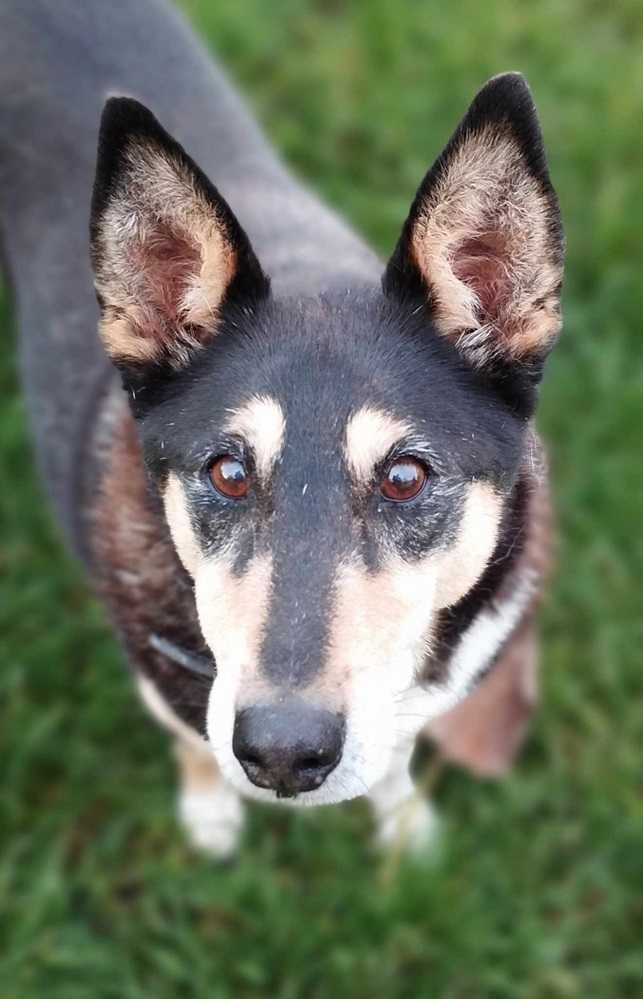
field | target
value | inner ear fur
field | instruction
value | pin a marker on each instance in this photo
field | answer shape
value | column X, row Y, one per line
column 483, row 243
column 166, row 249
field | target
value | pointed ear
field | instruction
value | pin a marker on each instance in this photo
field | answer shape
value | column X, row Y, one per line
column 166, row 250
column 483, row 243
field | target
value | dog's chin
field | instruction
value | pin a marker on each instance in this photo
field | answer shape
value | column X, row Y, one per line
column 342, row 784
column 365, row 761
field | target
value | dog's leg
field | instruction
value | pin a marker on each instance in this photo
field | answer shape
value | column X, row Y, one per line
column 210, row 810
column 405, row 820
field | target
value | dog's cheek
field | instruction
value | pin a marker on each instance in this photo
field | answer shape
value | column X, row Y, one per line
column 379, row 616
column 233, row 611
column 383, row 625
column 179, row 521
column 379, row 632
column 459, row 567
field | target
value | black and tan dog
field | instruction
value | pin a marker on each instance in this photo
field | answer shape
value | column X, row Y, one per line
column 316, row 478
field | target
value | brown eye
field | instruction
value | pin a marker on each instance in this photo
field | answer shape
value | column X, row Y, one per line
column 403, row 480
column 229, row 477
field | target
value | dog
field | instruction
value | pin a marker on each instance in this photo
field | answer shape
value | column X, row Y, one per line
column 306, row 485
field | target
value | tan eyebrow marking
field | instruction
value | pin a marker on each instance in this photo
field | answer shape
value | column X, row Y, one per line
column 370, row 435
column 261, row 422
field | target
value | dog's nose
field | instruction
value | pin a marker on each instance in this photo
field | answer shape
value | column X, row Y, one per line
column 288, row 747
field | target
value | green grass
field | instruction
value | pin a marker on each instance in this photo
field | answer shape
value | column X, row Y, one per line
column 538, row 891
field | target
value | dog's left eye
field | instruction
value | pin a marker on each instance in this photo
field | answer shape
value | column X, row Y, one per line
column 229, row 477
column 403, row 479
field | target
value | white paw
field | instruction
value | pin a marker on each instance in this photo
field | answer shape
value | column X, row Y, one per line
column 412, row 826
column 213, row 821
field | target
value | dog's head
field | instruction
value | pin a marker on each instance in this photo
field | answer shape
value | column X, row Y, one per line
column 334, row 472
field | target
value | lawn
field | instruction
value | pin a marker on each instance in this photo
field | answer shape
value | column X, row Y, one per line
column 538, row 888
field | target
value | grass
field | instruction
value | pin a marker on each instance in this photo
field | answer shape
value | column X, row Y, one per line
column 538, row 890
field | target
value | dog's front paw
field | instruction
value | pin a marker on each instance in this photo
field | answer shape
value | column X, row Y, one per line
column 212, row 820
column 412, row 826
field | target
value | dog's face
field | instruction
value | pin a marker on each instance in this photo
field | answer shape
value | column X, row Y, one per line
column 334, row 472
column 329, row 497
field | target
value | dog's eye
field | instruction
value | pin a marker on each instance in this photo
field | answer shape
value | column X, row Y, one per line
column 229, row 477
column 404, row 479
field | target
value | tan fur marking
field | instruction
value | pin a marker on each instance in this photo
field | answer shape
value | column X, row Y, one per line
column 199, row 771
column 165, row 261
column 165, row 716
column 488, row 213
column 233, row 610
column 232, row 614
column 370, row 435
column 262, row 424
column 377, row 616
column 120, row 343
column 458, row 568
column 178, row 518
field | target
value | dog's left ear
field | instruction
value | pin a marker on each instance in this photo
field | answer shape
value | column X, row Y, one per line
column 483, row 244
column 166, row 249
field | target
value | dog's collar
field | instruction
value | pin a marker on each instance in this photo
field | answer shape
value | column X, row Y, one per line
column 191, row 661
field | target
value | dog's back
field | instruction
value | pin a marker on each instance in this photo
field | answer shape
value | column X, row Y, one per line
column 58, row 63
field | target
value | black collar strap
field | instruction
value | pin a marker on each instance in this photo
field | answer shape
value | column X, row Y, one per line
column 202, row 665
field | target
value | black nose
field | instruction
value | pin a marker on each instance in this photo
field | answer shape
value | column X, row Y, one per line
column 288, row 747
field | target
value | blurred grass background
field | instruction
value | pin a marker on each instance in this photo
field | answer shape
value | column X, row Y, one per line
column 538, row 890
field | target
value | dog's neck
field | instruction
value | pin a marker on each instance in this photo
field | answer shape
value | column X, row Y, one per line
column 522, row 551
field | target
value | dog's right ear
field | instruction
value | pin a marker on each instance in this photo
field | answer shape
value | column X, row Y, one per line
column 166, row 249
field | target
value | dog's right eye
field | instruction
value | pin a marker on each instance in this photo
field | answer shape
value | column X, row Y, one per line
column 404, row 479
column 230, row 477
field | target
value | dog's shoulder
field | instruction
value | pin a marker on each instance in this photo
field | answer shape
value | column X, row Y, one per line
column 139, row 576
